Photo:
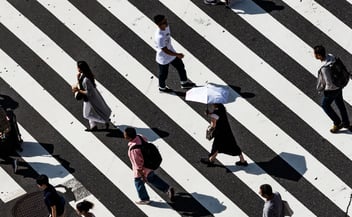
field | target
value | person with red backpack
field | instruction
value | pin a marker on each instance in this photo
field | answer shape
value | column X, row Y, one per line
column 141, row 173
column 331, row 91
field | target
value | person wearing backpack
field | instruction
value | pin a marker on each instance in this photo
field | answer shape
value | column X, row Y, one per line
column 331, row 92
column 140, row 172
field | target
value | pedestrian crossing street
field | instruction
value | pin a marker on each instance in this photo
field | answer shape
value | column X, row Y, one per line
column 261, row 49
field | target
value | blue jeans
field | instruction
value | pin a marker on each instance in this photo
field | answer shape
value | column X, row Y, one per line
column 331, row 96
column 153, row 179
column 164, row 71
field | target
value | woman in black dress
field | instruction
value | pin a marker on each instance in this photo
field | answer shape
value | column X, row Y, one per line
column 224, row 140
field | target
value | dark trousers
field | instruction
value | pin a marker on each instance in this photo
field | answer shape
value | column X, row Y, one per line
column 164, row 71
column 331, row 96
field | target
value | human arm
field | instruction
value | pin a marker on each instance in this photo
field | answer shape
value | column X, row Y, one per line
column 171, row 53
column 213, row 118
column 137, row 161
column 53, row 211
column 320, row 82
column 327, row 79
column 76, row 89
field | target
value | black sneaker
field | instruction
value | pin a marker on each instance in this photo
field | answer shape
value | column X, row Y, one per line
column 15, row 166
column 206, row 161
column 244, row 163
column 210, row 2
column 165, row 89
column 187, row 85
column 95, row 128
column 171, row 194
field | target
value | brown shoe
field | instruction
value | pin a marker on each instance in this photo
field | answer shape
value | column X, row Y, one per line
column 335, row 128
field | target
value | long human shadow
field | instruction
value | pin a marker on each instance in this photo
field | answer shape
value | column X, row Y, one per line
column 258, row 7
column 52, row 171
column 186, row 205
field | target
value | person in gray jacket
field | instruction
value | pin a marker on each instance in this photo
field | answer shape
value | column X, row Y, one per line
column 273, row 202
column 331, row 93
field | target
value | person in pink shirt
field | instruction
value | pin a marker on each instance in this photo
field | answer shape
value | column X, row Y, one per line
column 142, row 174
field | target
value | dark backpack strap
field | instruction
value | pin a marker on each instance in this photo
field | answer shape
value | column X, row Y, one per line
column 138, row 146
column 142, row 140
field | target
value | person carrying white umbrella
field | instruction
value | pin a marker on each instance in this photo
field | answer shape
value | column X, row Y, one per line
column 224, row 140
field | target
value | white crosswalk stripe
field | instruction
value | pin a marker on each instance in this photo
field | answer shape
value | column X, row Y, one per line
column 317, row 175
column 9, row 188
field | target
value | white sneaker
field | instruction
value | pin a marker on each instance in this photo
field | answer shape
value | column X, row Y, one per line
column 143, row 202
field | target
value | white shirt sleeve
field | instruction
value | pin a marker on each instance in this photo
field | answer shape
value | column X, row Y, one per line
column 215, row 116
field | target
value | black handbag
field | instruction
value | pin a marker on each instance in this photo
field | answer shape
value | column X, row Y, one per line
column 210, row 132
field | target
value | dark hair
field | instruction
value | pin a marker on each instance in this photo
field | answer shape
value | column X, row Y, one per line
column 84, row 206
column 266, row 189
column 131, row 132
column 83, row 66
column 320, row 50
column 42, row 180
column 158, row 18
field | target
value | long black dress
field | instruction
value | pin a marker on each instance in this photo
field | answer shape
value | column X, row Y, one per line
column 224, row 140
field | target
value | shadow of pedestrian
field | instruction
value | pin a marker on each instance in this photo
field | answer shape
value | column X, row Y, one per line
column 67, row 193
column 258, row 7
column 117, row 133
column 31, row 150
column 269, row 6
column 186, row 205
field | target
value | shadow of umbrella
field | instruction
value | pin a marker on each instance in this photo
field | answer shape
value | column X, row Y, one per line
column 242, row 94
column 281, row 169
column 186, row 205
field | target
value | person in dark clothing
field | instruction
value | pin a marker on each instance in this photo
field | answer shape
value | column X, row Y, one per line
column 10, row 137
column 54, row 202
column 224, row 140
column 84, row 207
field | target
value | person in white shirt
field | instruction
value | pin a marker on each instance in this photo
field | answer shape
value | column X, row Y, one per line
column 331, row 93
column 167, row 55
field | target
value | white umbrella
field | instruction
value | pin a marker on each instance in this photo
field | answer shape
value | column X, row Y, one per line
column 208, row 94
